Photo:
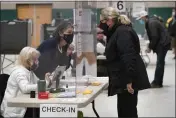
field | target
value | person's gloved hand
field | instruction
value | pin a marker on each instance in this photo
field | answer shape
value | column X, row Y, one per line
column 100, row 48
column 47, row 78
column 99, row 30
column 70, row 49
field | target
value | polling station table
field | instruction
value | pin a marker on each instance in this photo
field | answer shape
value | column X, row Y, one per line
column 80, row 100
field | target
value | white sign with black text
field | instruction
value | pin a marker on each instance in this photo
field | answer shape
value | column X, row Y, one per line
column 120, row 5
column 58, row 110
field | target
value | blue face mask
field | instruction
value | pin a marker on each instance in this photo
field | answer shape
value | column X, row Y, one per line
column 141, row 22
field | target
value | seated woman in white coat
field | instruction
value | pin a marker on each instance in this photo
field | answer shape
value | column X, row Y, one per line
column 22, row 80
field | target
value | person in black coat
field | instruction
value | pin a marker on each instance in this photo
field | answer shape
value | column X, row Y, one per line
column 126, row 69
column 54, row 51
column 160, row 42
column 172, row 31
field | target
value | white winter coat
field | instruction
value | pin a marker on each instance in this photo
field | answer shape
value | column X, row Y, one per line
column 21, row 81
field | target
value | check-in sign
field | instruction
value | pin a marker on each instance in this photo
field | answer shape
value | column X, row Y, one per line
column 58, row 110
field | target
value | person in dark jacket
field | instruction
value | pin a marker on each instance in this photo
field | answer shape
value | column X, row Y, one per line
column 126, row 69
column 160, row 43
column 54, row 51
column 172, row 31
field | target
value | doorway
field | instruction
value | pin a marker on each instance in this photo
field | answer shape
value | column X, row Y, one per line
column 39, row 14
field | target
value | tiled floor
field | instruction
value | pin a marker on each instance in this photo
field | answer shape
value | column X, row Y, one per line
column 152, row 102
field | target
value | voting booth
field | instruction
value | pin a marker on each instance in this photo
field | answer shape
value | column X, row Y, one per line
column 15, row 35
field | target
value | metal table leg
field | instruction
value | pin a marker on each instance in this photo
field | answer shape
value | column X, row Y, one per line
column 2, row 63
column 34, row 113
column 93, row 107
column 3, row 59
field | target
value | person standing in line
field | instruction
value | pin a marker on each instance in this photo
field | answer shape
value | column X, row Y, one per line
column 159, row 43
column 126, row 69
column 172, row 31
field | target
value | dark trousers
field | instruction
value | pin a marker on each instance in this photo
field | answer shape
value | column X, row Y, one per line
column 32, row 113
column 160, row 65
column 127, row 105
column 101, row 68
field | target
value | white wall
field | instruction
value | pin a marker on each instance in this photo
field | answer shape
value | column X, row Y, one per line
column 8, row 5
column 102, row 4
column 62, row 5
column 160, row 4
column 153, row 4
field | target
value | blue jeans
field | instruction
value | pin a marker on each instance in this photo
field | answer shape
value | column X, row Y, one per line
column 160, row 65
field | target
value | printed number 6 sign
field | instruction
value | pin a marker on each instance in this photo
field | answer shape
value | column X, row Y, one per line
column 121, row 6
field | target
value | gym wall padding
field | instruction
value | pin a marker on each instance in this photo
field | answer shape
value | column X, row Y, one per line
column 65, row 13
column 165, row 13
column 8, row 14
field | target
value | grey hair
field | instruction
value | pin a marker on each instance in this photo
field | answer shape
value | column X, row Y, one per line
column 62, row 27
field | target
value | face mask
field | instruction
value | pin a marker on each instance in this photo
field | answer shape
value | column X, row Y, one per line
column 173, row 13
column 112, row 27
column 104, row 26
column 141, row 22
column 68, row 38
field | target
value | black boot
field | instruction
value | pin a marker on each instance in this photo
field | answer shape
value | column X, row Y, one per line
column 154, row 85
